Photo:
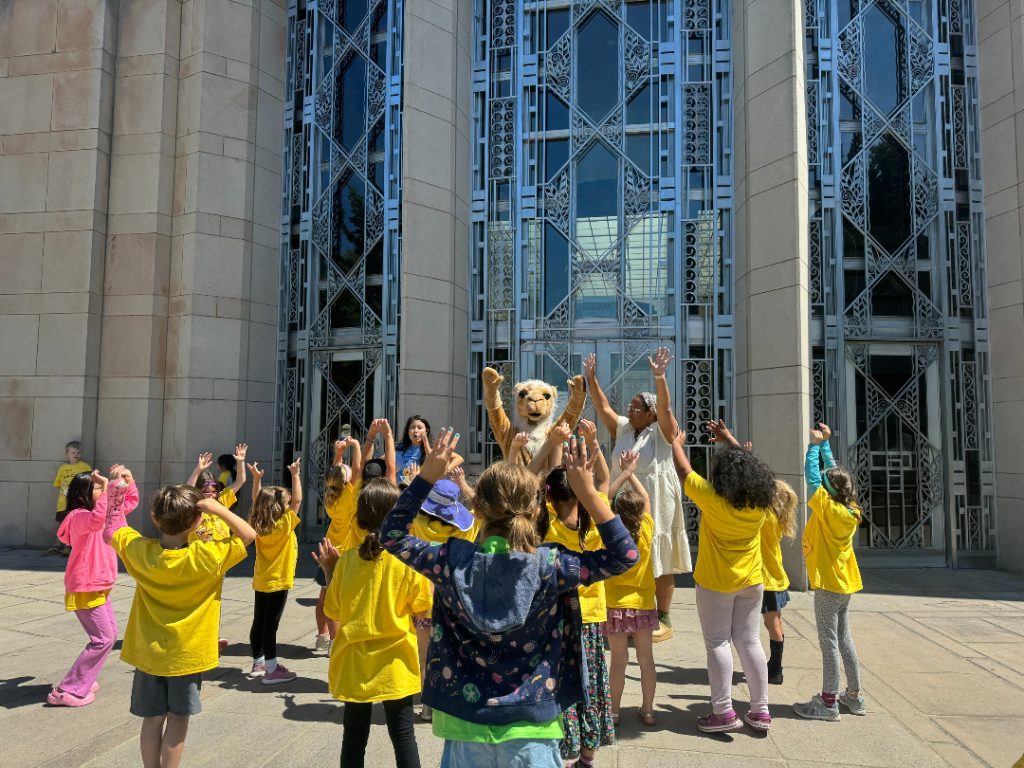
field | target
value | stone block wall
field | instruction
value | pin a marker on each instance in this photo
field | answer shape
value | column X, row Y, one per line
column 140, row 160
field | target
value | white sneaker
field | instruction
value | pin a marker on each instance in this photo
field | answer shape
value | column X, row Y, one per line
column 323, row 644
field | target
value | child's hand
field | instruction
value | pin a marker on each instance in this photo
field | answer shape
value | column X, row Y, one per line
column 436, row 462
column 588, row 431
column 817, row 437
column 627, row 461
column 559, row 433
column 240, row 451
column 127, row 476
column 205, row 461
column 590, row 366
column 255, row 471
column 456, row 474
column 209, row 506
column 99, row 480
column 520, row 440
column 411, row 471
column 294, row 467
column 579, row 466
column 719, row 431
column 660, row 362
column 680, row 438
column 748, row 446
column 826, row 431
column 326, row 555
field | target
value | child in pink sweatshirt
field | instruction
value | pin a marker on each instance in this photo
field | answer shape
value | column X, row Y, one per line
column 90, row 575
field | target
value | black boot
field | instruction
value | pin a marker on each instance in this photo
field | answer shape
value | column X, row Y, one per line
column 775, row 662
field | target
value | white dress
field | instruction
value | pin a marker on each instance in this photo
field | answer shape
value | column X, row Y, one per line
column 655, row 469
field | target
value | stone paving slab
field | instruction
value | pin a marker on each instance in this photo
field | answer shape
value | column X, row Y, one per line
column 941, row 653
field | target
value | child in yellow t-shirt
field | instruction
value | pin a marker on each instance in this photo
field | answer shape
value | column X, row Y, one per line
column 274, row 518
column 342, row 484
column 373, row 658
column 730, row 581
column 65, row 474
column 632, row 610
column 171, row 637
column 833, row 575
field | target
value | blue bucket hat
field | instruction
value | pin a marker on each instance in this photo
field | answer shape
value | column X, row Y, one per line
column 443, row 503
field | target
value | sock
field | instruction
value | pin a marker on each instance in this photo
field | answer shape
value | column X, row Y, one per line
column 829, row 699
column 775, row 661
column 272, row 665
column 259, row 660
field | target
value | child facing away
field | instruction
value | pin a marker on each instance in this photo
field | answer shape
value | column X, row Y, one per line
column 274, row 517
column 65, row 473
column 505, row 653
column 171, row 638
column 833, row 575
column 588, row 724
column 730, row 582
column 374, row 658
column 212, row 487
column 632, row 608
column 90, row 576
column 342, row 483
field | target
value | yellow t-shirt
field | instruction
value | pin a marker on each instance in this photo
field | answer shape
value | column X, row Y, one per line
column 374, row 655
column 775, row 577
column 436, row 531
column 343, row 531
column 224, row 478
column 276, row 555
column 592, row 598
column 173, row 626
column 211, row 527
column 80, row 601
column 729, row 556
column 65, row 474
column 635, row 588
column 828, row 545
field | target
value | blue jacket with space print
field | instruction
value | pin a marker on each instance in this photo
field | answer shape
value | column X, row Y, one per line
column 505, row 644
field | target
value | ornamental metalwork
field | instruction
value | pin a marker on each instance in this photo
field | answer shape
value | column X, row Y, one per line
column 896, row 267
column 339, row 229
column 601, row 209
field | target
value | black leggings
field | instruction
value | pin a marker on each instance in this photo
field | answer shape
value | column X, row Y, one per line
column 400, row 727
column 266, row 618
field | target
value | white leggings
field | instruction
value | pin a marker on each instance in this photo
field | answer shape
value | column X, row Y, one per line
column 734, row 617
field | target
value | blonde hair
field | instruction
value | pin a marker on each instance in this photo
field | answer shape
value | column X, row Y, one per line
column 268, row 507
column 335, row 480
column 506, row 503
column 784, row 504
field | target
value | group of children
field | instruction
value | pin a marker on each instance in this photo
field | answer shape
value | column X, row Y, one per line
column 494, row 602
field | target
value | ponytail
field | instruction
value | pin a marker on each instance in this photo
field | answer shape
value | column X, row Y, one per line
column 371, row 548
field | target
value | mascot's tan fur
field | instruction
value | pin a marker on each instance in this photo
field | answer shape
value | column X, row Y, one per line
column 533, row 413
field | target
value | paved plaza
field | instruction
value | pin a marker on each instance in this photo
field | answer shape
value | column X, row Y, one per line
column 942, row 656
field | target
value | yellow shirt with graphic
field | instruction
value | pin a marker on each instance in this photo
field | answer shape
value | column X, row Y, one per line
column 277, row 552
column 343, row 531
column 729, row 557
column 374, row 655
column 775, row 577
column 211, row 527
column 592, row 598
column 635, row 588
column 65, row 474
column 173, row 626
column 828, row 545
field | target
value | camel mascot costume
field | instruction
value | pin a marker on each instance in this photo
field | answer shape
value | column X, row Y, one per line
column 533, row 412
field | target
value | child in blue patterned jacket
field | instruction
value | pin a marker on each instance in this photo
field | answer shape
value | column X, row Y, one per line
column 505, row 656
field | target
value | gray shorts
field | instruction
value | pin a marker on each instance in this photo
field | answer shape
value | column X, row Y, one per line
column 155, row 696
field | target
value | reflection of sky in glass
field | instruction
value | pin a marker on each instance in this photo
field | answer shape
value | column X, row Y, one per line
column 646, row 263
column 884, row 79
column 597, row 66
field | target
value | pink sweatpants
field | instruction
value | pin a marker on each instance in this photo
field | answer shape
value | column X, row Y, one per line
column 100, row 625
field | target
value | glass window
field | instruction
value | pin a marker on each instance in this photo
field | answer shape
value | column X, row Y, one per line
column 638, row 16
column 891, row 297
column 557, row 24
column 646, row 264
column 597, row 183
column 597, row 66
column 885, row 77
column 890, row 216
column 556, row 114
column 350, row 100
column 556, row 154
column 638, row 149
column 348, row 213
column 638, row 108
column 352, row 12
column 556, row 268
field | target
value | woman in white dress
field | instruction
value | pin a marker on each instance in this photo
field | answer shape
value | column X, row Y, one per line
column 648, row 428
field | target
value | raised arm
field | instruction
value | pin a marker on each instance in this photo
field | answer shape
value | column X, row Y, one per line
column 627, row 466
column 659, row 366
column 812, row 462
column 459, row 477
column 679, row 457
column 720, row 434
column 240, row 450
column 390, row 463
column 588, row 430
column 238, row 526
column 519, row 441
column 257, row 479
column 605, row 414
column 370, row 443
column 826, row 448
column 550, row 453
column 294, row 468
column 204, row 462
column 356, row 462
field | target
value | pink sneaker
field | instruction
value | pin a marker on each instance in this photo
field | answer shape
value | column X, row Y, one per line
column 258, row 669
column 280, row 675
column 59, row 698
column 727, row 721
column 759, row 721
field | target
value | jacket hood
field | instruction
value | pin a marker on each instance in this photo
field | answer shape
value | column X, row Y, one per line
column 496, row 591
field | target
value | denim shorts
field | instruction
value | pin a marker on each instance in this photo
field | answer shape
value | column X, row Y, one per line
column 518, row 753
column 774, row 601
column 155, row 695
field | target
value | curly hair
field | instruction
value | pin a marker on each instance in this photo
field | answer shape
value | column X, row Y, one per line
column 784, row 506
column 742, row 479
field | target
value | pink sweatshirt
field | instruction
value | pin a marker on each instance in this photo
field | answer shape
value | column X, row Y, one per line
column 92, row 566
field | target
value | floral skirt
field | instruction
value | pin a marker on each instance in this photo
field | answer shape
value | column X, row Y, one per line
column 590, row 727
column 626, row 621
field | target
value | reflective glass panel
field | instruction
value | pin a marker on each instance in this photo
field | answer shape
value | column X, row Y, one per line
column 556, row 268
column 597, row 66
column 890, row 217
column 885, row 77
column 350, row 101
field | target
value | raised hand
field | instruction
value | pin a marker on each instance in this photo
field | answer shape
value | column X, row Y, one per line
column 255, row 471
column 436, row 462
column 590, row 366
column 719, row 431
column 660, row 362
column 628, row 460
column 579, row 466
column 326, row 555
column 380, row 427
column 205, row 461
column 588, row 431
column 520, row 440
column 560, row 432
column 680, row 438
column 295, row 467
column 99, row 480
column 456, row 474
column 826, row 431
column 240, row 450
column 817, row 437
column 492, row 378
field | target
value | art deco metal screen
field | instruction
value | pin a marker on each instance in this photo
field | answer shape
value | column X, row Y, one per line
column 340, row 243
column 900, row 339
column 602, row 197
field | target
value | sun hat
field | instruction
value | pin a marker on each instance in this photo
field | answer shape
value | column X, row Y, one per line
column 443, row 503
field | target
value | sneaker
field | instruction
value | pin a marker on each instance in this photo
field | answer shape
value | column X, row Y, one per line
column 662, row 633
column 280, row 675
column 713, row 723
column 759, row 721
column 775, row 679
column 59, row 698
column 222, row 644
column 323, row 644
column 817, row 709
column 855, row 705
column 426, row 713
column 259, row 669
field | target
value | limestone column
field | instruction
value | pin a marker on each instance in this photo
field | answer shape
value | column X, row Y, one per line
column 433, row 321
column 773, row 389
column 1000, row 27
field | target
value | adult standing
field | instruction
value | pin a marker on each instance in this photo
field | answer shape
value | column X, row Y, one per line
column 648, row 428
